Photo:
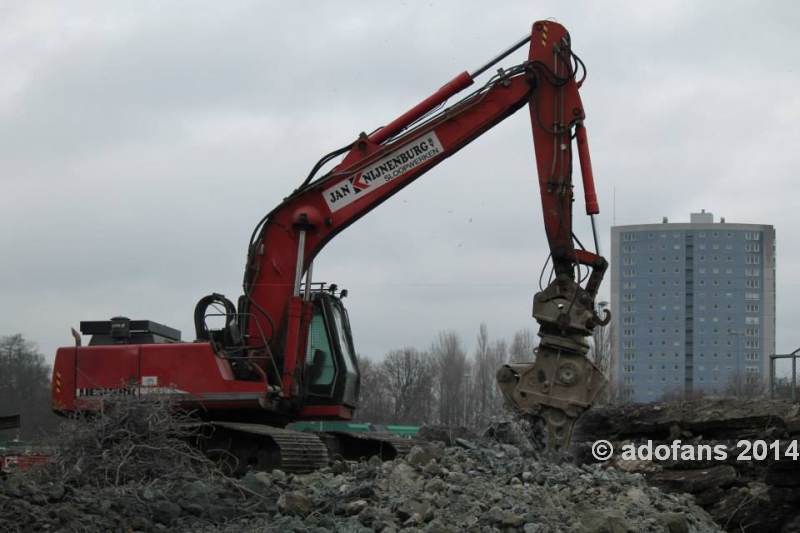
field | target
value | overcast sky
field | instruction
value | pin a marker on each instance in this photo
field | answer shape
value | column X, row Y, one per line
column 140, row 143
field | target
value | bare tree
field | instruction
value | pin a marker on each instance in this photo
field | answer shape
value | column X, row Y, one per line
column 486, row 396
column 25, row 388
column 483, row 379
column 375, row 403
column 410, row 382
column 601, row 350
column 745, row 385
column 522, row 345
column 451, row 364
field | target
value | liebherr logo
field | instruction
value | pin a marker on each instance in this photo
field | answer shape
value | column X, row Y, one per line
column 383, row 171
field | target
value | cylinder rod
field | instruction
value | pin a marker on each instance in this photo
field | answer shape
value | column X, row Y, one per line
column 307, row 293
column 500, row 57
column 298, row 272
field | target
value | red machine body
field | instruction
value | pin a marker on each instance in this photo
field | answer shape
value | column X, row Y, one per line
column 285, row 352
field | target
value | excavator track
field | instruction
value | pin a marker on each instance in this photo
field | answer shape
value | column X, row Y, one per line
column 258, row 447
column 353, row 446
column 245, row 447
column 9, row 422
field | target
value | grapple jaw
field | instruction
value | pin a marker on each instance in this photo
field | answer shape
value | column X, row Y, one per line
column 557, row 388
column 562, row 382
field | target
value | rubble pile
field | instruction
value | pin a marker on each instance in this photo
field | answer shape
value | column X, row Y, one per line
column 473, row 485
column 751, row 495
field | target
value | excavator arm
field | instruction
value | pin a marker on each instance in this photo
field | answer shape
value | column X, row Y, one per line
column 285, row 352
column 276, row 310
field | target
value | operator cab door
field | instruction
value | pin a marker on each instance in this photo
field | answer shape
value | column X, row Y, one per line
column 331, row 370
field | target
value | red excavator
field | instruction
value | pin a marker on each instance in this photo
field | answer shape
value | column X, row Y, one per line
column 285, row 352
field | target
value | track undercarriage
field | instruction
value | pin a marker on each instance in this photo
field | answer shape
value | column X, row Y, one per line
column 244, row 447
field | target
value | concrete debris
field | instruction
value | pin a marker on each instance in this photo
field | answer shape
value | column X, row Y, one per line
column 753, row 495
column 476, row 485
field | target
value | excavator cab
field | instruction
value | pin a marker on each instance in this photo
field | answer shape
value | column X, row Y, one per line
column 331, row 370
column 329, row 375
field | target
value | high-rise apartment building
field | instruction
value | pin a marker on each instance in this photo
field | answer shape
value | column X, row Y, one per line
column 693, row 307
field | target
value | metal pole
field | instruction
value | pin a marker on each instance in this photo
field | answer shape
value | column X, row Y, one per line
column 773, row 387
column 794, row 377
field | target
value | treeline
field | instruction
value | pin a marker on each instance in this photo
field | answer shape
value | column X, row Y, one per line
column 440, row 385
column 25, row 389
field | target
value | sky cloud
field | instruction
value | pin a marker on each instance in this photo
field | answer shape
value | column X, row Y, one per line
column 141, row 143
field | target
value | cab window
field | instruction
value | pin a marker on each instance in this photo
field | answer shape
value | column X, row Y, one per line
column 319, row 356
